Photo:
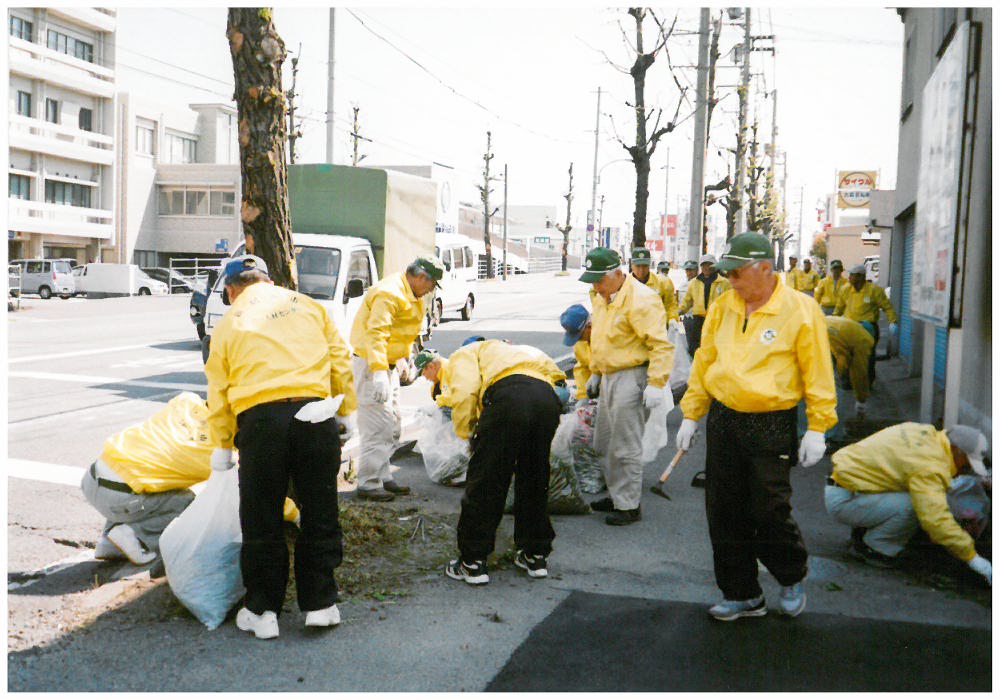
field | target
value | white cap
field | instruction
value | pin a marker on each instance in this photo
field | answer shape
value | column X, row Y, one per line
column 972, row 442
column 707, row 258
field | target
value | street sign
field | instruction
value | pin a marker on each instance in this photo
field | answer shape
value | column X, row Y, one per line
column 222, row 246
column 854, row 188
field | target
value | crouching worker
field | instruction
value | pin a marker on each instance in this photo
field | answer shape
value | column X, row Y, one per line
column 502, row 396
column 276, row 363
column 141, row 481
column 897, row 480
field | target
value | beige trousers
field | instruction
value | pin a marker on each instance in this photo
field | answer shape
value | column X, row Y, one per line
column 621, row 418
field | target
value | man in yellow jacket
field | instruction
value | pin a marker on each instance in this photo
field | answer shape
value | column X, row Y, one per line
column 852, row 346
column 764, row 348
column 861, row 302
column 276, row 365
column 897, row 480
column 661, row 284
column 503, row 398
column 383, row 334
column 141, row 481
column 576, row 323
column 631, row 360
column 793, row 275
column 830, row 288
column 808, row 278
column 704, row 289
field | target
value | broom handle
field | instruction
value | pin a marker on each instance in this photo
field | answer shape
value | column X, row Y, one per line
column 670, row 467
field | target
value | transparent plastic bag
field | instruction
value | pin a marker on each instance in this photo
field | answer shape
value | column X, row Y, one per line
column 201, row 551
column 681, row 371
column 587, row 463
column 564, row 496
column 446, row 456
column 969, row 504
column 655, row 435
column 562, row 442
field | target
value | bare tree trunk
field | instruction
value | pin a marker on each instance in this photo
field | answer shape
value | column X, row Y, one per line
column 258, row 53
column 564, row 230
column 484, row 192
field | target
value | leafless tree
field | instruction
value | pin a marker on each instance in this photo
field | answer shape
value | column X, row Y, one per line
column 355, row 137
column 564, row 230
column 484, row 196
column 258, row 53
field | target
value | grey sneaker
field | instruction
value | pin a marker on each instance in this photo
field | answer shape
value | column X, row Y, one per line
column 729, row 610
column 793, row 600
column 377, row 494
column 395, row 488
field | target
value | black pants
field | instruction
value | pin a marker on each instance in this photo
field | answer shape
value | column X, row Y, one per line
column 692, row 332
column 274, row 447
column 871, row 359
column 747, row 499
column 514, row 436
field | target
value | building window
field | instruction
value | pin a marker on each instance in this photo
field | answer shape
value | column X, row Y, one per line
column 183, row 201
column 86, row 119
column 24, row 103
column 944, row 27
column 180, row 149
column 196, row 202
column 21, row 28
column 51, row 110
column 171, row 202
column 907, row 78
column 223, row 203
column 67, row 193
column 57, row 41
column 20, row 187
column 144, row 139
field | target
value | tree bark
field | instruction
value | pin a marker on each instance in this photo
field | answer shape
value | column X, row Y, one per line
column 484, row 192
column 258, row 53
column 564, row 230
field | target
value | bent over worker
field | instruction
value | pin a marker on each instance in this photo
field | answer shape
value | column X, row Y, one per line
column 631, row 360
column 576, row 323
column 503, row 397
column 852, row 346
column 861, row 302
column 382, row 336
column 892, row 482
column 763, row 349
column 275, row 366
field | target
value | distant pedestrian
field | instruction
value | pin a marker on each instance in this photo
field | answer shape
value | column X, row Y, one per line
column 384, row 330
column 276, row 362
column 830, row 288
column 852, row 346
column 893, row 482
column 808, row 278
column 663, row 268
column 503, row 398
column 631, row 360
column 640, row 264
column 793, row 274
column 763, row 349
column 690, row 272
column 861, row 302
column 703, row 290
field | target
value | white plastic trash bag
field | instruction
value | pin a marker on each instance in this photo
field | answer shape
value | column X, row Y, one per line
column 562, row 441
column 201, row 551
column 446, row 455
column 655, row 434
column 681, row 371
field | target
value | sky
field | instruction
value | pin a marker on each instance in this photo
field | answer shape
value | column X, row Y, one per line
column 430, row 83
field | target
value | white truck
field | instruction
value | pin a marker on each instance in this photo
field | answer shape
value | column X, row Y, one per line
column 102, row 280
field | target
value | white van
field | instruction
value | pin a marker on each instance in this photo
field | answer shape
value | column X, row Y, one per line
column 102, row 280
column 457, row 293
column 46, row 277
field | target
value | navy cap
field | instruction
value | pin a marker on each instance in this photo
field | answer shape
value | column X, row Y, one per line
column 243, row 263
column 574, row 320
column 472, row 339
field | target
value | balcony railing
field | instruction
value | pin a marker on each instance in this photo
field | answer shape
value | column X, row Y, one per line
column 59, row 219
column 40, row 62
column 97, row 18
column 41, row 136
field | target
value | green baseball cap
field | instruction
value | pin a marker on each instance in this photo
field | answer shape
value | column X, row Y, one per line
column 837, row 263
column 599, row 262
column 744, row 249
column 432, row 265
column 424, row 358
column 641, row 256
column 691, row 265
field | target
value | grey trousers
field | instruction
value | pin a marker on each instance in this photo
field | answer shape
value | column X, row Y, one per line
column 889, row 517
column 148, row 514
column 621, row 418
column 379, row 426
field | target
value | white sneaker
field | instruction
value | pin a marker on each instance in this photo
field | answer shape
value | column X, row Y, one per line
column 123, row 537
column 106, row 550
column 263, row 626
column 327, row 617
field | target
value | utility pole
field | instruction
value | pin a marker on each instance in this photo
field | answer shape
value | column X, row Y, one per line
column 600, row 218
column 504, row 222
column 329, row 87
column 593, row 192
column 741, row 135
column 696, row 216
column 293, row 133
column 355, row 137
column 666, row 205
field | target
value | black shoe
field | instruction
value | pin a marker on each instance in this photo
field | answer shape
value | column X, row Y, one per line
column 624, row 517
column 374, row 495
column 603, row 505
column 534, row 564
column 473, row 573
column 394, row 488
column 869, row 556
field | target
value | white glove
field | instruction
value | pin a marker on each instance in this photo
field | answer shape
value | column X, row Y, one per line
column 812, row 448
column 381, row 386
column 594, row 386
column 983, row 568
column 350, row 424
column 894, row 328
column 686, row 433
column 319, row 411
column 652, row 396
column 674, row 326
column 222, row 459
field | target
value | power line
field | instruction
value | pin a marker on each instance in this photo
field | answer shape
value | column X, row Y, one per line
column 146, row 56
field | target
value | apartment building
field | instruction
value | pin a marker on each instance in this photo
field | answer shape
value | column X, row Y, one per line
column 61, row 186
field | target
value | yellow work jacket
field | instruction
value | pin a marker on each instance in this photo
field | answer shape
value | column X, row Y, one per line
column 662, row 285
column 864, row 304
column 808, row 280
column 781, row 356
column 828, row 290
column 851, row 346
column 581, row 373
column 171, row 450
column 914, row 458
column 273, row 344
column 694, row 298
column 473, row 369
column 387, row 323
column 629, row 332
column 793, row 278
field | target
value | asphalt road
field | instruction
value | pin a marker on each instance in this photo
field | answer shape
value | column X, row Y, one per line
column 81, row 370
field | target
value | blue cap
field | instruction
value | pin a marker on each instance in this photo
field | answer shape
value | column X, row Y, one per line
column 472, row 339
column 243, row 263
column 574, row 320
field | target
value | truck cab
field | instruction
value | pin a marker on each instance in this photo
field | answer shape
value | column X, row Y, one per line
column 457, row 294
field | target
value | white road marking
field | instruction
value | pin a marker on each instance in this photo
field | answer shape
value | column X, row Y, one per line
column 88, row 411
column 80, row 353
column 38, row 574
column 44, row 471
column 88, row 379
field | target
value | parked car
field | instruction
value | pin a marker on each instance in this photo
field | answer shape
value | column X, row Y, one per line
column 101, row 280
column 457, row 292
column 175, row 281
column 46, row 277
